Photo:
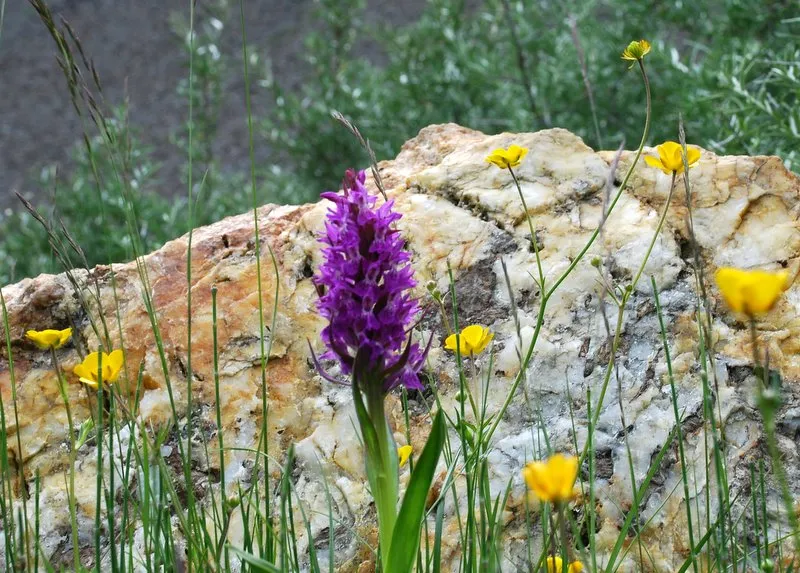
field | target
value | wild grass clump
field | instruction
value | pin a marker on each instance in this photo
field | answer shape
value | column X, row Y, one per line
column 148, row 512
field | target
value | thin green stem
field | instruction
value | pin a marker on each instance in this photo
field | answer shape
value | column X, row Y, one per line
column 546, row 295
column 20, row 453
column 76, row 554
column 264, row 349
column 386, row 485
column 622, row 186
column 674, row 393
column 189, row 372
column 769, row 400
column 656, row 234
column 630, row 289
column 534, row 242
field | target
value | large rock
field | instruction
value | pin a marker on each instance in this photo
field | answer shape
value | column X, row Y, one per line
column 457, row 211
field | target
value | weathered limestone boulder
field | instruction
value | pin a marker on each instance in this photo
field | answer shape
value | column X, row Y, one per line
column 462, row 212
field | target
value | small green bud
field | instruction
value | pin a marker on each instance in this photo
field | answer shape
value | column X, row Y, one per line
column 596, row 262
column 86, row 427
column 769, row 401
column 768, row 565
column 434, row 290
column 232, row 502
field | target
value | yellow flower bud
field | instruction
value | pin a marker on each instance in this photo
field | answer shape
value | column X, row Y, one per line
column 751, row 292
column 505, row 158
column 552, row 480
column 404, row 453
column 89, row 371
column 635, row 51
column 472, row 340
column 46, row 339
column 670, row 159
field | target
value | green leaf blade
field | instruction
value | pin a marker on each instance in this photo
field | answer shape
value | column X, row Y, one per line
column 405, row 538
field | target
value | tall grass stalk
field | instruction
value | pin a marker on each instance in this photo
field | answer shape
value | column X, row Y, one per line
column 678, row 425
column 268, row 543
column 546, row 294
column 22, row 524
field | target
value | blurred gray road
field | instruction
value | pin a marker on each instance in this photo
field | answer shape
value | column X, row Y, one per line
column 136, row 53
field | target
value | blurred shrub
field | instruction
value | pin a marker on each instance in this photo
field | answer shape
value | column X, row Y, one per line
column 730, row 67
column 462, row 65
column 94, row 203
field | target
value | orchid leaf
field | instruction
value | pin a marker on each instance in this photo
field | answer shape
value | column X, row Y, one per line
column 405, row 539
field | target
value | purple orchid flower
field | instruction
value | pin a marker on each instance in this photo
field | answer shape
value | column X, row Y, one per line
column 365, row 287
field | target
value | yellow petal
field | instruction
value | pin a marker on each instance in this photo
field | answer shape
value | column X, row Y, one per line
column 563, row 471
column 554, row 564
column 65, row 335
column 486, row 338
column 88, row 368
column 536, row 478
column 667, row 152
column 750, row 292
column 552, row 480
column 81, row 371
column 472, row 336
column 692, row 155
column 763, row 291
column 115, row 361
column 90, row 383
column 450, row 344
column 677, row 158
column 404, row 452
column 498, row 157
column 655, row 162
column 729, row 282
column 516, row 154
column 575, row 567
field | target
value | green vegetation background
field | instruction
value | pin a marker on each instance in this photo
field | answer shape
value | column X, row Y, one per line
column 730, row 67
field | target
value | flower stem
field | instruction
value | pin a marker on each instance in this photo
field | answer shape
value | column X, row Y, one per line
column 769, row 400
column 562, row 532
column 656, row 234
column 550, row 291
column 386, row 488
column 622, row 186
column 534, row 242
column 73, row 455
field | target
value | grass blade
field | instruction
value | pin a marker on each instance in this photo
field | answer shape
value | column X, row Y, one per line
column 405, row 538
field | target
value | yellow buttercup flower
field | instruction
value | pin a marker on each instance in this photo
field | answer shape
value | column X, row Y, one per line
column 552, row 480
column 669, row 158
column 46, row 339
column 751, row 292
column 555, row 564
column 473, row 340
column 89, row 370
column 404, row 453
column 635, row 51
column 505, row 158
